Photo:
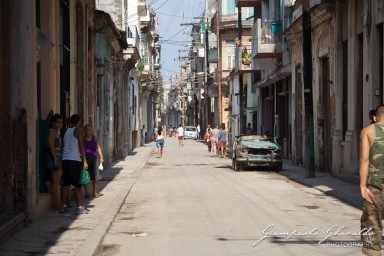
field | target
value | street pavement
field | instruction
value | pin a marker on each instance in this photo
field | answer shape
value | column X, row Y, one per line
column 191, row 203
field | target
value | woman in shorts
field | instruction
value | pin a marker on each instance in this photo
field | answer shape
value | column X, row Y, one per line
column 162, row 134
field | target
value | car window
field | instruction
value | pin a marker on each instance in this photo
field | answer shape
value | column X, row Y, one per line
column 190, row 129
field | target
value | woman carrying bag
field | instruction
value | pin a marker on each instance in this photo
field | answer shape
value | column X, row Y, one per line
column 93, row 152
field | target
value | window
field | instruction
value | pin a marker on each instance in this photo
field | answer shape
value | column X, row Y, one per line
column 230, row 55
column 231, row 7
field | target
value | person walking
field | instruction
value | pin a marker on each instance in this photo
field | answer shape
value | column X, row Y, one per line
column 94, row 156
column 180, row 135
column 74, row 159
column 223, row 140
column 207, row 138
column 160, row 140
column 371, row 184
column 215, row 139
column 198, row 131
column 54, row 158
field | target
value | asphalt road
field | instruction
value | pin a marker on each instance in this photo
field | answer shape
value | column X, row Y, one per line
column 191, row 203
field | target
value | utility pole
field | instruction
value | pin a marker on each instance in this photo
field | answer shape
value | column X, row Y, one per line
column 218, row 63
column 308, row 96
column 241, row 88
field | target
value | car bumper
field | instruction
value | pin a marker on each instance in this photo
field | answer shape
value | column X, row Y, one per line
column 259, row 162
column 190, row 136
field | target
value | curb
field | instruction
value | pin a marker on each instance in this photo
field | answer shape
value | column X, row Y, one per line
column 92, row 244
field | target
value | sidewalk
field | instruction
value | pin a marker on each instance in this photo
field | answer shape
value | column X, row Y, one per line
column 69, row 234
column 325, row 182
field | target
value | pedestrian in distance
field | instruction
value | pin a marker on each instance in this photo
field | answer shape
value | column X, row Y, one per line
column 209, row 128
column 248, row 130
column 143, row 133
column 94, row 156
column 160, row 141
column 74, row 159
column 198, row 131
column 223, row 140
column 54, row 158
column 371, row 184
column 154, row 132
column 180, row 135
column 372, row 116
column 215, row 139
column 207, row 138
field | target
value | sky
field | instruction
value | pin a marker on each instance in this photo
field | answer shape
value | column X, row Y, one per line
column 173, row 37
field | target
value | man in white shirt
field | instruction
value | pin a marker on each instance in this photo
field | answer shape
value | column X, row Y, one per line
column 180, row 134
column 198, row 131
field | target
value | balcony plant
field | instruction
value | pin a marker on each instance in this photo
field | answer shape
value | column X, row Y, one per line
column 245, row 56
column 139, row 66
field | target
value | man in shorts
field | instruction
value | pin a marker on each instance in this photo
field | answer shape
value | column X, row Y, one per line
column 180, row 135
column 74, row 160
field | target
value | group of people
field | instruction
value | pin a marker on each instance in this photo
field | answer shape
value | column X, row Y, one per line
column 160, row 134
column 217, row 138
column 67, row 156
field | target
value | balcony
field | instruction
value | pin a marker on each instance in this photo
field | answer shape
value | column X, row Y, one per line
column 267, row 39
column 229, row 21
column 142, row 8
column 248, row 3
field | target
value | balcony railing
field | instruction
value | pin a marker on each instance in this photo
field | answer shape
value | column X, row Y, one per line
column 267, row 38
column 230, row 21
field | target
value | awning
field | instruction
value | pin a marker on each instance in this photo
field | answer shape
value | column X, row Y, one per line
column 280, row 74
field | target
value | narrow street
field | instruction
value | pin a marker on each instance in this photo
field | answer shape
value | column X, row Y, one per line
column 191, row 203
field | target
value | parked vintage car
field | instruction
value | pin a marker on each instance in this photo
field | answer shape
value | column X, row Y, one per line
column 190, row 132
column 256, row 151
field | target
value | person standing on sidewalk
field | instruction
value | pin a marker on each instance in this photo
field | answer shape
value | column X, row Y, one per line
column 180, row 135
column 198, row 131
column 371, row 184
column 215, row 139
column 74, row 160
column 94, row 156
column 54, row 158
column 223, row 140
column 143, row 132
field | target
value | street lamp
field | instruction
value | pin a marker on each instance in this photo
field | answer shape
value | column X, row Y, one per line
column 100, row 67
